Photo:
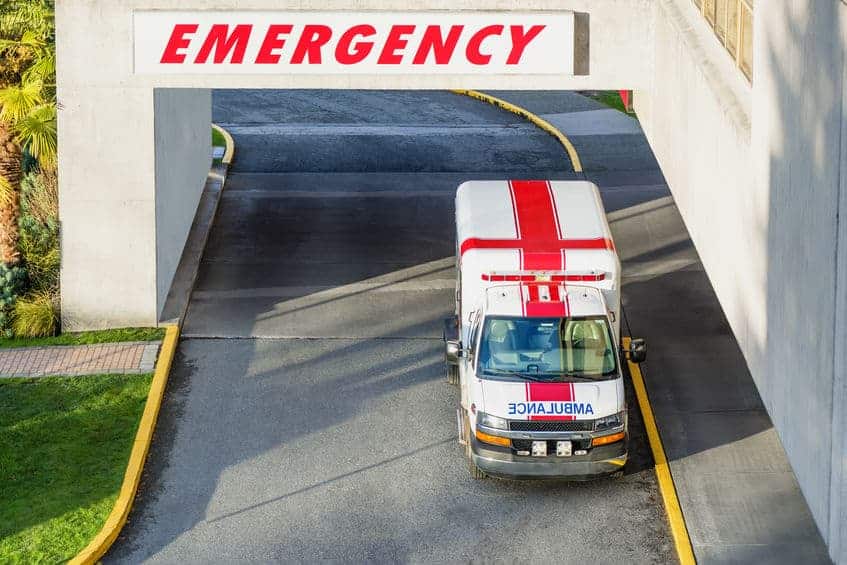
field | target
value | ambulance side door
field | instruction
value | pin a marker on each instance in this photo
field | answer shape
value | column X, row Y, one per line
column 458, row 282
column 466, row 372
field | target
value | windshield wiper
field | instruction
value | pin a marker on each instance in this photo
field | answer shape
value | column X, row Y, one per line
column 566, row 376
column 525, row 376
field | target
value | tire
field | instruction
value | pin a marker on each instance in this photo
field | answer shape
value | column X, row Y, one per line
column 453, row 374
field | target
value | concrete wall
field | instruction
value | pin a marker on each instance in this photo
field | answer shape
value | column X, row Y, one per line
column 797, row 122
column 838, row 481
column 758, row 174
column 182, row 139
column 106, row 207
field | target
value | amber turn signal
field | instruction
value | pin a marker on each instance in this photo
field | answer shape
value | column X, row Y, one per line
column 605, row 440
column 496, row 440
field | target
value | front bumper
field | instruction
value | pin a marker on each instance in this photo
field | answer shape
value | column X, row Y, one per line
column 502, row 462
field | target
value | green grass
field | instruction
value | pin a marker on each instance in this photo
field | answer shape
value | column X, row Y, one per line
column 64, row 446
column 84, row 338
column 218, row 141
column 610, row 98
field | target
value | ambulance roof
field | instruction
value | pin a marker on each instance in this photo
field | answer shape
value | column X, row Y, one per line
column 525, row 214
column 543, row 300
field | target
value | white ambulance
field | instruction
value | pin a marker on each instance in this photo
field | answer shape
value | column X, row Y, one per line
column 535, row 343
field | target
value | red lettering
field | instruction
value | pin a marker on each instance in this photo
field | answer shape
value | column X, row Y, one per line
column 313, row 38
column 176, row 42
column 520, row 40
column 223, row 43
column 432, row 41
column 472, row 51
column 271, row 43
column 393, row 43
column 348, row 54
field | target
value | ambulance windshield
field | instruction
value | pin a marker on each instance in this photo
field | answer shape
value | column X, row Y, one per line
column 547, row 348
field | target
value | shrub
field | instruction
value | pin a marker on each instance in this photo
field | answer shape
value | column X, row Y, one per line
column 40, row 196
column 13, row 280
column 39, row 229
column 42, row 264
column 35, row 316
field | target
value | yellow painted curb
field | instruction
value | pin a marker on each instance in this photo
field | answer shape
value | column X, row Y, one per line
column 526, row 114
column 230, row 145
column 117, row 518
column 679, row 531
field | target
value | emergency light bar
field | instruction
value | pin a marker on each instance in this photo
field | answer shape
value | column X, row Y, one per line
column 567, row 276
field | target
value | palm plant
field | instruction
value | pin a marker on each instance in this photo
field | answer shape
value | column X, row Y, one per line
column 27, row 104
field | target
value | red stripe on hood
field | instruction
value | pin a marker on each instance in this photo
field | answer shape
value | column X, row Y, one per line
column 535, row 306
column 550, row 392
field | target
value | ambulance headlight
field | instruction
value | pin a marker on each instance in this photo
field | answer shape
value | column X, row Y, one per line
column 610, row 422
column 489, row 421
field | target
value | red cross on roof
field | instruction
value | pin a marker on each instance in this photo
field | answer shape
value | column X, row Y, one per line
column 540, row 240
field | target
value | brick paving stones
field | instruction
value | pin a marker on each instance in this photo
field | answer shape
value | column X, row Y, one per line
column 104, row 358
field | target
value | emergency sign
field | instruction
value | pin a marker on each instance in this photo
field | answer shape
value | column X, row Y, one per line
column 354, row 42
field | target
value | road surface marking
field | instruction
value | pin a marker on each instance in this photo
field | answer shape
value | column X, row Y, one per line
column 663, row 472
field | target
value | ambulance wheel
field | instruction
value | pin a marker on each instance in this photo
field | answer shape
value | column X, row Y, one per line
column 617, row 475
column 453, row 374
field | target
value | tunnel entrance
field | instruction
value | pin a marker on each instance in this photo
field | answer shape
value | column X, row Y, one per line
column 338, row 210
column 162, row 62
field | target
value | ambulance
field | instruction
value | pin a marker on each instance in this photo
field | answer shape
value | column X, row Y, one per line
column 535, row 341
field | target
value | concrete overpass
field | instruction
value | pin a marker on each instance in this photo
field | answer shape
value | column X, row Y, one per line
column 757, row 168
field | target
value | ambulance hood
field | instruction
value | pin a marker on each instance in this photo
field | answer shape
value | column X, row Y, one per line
column 552, row 401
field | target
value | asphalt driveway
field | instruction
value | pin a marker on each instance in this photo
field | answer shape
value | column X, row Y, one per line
column 307, row 416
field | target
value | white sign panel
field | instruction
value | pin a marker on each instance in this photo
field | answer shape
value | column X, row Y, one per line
column 244, row 42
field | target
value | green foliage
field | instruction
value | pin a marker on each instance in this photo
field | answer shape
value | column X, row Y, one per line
column 36, row 132
column 18, row 17
column 27, row 37
column 28, row 109
column 64, row 445
column 85, row 338
column 28, row 75
column 35, row 316
column 610, row 98
column 13, row 280
column 18, row 100
column 218, row 139
column 38, row 227
column 42, row 267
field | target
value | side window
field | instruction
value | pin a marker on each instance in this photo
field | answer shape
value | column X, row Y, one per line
column 473, row 338
column 458, row 285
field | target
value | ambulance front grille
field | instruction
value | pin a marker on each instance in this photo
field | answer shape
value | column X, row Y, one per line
column 551, row 426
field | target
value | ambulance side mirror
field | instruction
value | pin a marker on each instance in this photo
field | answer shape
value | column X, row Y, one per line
column 453, row 351
column 637, row 351
column 452, row 346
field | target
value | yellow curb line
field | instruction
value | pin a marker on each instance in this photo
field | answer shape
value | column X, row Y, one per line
column 538, row 121
column 230, row 145
column 117, row 518
column 663, row 472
